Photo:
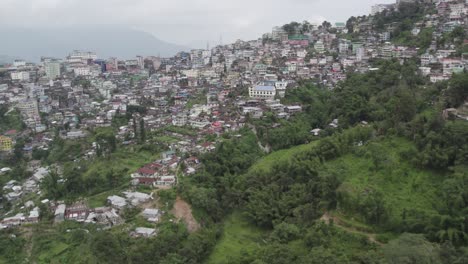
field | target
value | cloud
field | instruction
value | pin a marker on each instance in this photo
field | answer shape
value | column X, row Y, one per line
column 180, row 21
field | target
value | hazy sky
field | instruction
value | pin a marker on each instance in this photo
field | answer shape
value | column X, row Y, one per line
column 186, row 22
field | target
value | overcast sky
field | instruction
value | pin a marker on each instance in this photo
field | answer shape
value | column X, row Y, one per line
column 186, row 22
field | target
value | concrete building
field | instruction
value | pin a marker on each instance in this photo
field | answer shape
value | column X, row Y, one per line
column 20, row 76
column 30, row 112
column 52, row 69
column 6, row 144
column 319, row 47
column 262, row 92
column 375, row 9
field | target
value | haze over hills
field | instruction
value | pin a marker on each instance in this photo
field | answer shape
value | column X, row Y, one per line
column 6, row 59
column 31, row 44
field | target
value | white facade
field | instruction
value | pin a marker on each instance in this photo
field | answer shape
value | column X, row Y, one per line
column 262, row 92
column 319, row 47
column 19, row 63
column 78, row 55
column 52, row 70
column 82, row 71
column 20, row 76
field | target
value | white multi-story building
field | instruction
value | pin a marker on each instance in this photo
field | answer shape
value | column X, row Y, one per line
column 230, row 60
column 180, row 120
column 301, row 53
column 28, row 108
column 387, row 50
column 262, row 92
column 19, row 63
column 292, row 66
column 278, row 33
column 360, row 53
column 343, row 47
column 78, row 55
column 426, row 59
column 141, row 62
column 385, row 36
column 319, row 47
column 192, row 73
column 30, row 112
column 281, row 88
column 20, row 76
column 375, row 9
column 82, row 71
column 52, row 69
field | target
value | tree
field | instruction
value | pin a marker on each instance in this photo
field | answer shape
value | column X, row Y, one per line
column 107, row 248
column 351, row 23
column 291, row 28
column 326, row 25
column 411, row 248
column 457, row 91
column 285, row 232
column 373, row 208
column 51, row 184
column 106, row 143
column 321, row 255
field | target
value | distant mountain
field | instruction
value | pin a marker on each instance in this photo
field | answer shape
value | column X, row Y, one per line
column 31, row 44
column 7, row 59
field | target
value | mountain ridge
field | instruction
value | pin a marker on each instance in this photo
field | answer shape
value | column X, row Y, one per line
column 31, row 44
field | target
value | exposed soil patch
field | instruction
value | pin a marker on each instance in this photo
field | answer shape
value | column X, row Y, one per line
column 183, row 211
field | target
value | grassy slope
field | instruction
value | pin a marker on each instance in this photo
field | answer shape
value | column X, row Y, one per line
column 266, row 163
column 403, row 186
column 239, row 236
column 123, row 159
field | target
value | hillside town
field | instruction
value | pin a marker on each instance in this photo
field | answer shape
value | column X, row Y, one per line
column 186, row 103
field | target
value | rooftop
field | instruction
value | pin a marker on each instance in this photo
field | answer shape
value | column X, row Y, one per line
column 264, row 88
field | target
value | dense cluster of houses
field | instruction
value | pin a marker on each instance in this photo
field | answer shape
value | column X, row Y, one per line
column 206, row 91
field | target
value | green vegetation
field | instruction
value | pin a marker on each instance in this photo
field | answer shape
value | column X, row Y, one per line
column 10, row 119
column 90, row 178
column 285, row 155
column 11, row 247
column 239, row 238
column 198, row 98
column 381, row 167
column 376, row 182
column 388, row 190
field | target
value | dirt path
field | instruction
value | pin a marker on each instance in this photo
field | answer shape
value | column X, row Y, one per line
column 337, row 222
column 27, row 233
column 182, row 210
column 266, row 148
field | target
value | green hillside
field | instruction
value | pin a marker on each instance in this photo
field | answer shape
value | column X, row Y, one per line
column 380, row 166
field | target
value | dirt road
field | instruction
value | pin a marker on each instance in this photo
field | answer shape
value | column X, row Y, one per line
column 338, row 223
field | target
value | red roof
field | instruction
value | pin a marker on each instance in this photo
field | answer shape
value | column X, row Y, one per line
column 192, row 159
column 10, row 132
column 146, row 171
column 206, row 144
column 154, row 166
column 146, row 180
